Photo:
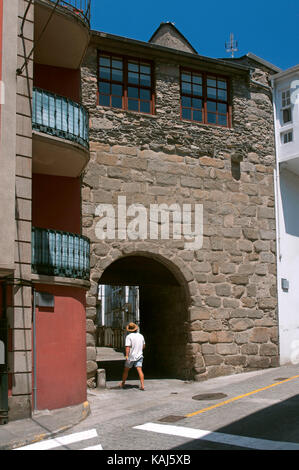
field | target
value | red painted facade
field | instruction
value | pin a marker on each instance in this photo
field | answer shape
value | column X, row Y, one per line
column 56, row 203
column 64, row 82
column 61, row 348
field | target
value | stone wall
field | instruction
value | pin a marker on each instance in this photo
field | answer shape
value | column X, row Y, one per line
column 231, row 281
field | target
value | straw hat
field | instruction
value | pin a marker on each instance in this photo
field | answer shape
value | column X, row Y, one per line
column 132, row 327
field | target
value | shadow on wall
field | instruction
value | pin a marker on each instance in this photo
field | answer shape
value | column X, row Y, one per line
column 289, row 188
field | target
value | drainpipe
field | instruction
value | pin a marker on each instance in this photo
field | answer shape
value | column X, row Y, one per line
column 277, row 205
column 34, row 348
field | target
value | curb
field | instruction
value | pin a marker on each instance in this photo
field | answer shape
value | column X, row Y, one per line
column 82, row 410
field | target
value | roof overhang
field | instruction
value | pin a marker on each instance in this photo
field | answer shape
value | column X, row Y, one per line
column 286, row 73
column 126, row 46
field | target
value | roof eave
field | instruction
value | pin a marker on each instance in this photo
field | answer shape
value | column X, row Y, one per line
column 97, row 35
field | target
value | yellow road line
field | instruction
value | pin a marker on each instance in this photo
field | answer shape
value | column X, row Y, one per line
column 189, row 415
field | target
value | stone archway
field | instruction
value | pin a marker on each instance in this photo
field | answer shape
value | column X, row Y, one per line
column 166, row 309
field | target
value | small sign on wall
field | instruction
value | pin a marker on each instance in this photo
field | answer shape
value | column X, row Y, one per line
column 44, row 299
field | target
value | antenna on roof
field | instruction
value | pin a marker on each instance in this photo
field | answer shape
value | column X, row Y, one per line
column 232, row 45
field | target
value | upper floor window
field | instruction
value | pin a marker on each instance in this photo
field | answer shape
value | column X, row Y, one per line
column 287, row 137
column 286, row 107
column 125, row 83
column 205, row 98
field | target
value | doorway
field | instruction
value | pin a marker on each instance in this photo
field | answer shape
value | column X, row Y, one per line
column 158, row 305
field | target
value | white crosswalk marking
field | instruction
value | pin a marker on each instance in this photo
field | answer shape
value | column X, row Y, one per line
column 64, row 440
column 218, row 437
column 98, row 447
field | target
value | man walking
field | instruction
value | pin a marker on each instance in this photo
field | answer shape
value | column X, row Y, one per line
column 134, row 345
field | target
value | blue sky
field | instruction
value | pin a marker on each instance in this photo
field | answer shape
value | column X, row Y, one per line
column 269, row 29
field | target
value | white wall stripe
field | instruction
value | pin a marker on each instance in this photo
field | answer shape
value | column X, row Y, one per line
column 60, row 441
column 218, row 437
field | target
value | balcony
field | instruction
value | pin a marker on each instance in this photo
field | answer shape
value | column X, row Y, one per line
column 60, row 135
column 64, row 40
column 62, row 254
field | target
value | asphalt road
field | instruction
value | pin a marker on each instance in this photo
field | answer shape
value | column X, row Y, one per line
column 249, row 411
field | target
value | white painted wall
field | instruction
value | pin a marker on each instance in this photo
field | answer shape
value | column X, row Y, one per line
column 287, row 212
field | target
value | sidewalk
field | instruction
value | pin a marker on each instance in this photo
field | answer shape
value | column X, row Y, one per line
column 42, row 425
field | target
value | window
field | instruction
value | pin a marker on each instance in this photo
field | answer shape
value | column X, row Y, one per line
column 286, row 98
column 125, row 83
column 286, row 137
column 286, row 106
column 204, row 98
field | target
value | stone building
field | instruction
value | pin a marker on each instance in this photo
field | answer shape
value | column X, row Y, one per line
column 170, row 126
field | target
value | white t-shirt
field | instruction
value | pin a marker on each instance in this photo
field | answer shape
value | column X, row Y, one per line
column 135, row 341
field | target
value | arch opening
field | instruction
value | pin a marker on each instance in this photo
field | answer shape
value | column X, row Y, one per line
column 146, row 291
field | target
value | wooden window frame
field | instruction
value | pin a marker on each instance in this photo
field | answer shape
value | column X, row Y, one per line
column 205, row 75
column 125, row 82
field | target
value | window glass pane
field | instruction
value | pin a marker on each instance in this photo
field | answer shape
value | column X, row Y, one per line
column 104, row 88
column 105, row 73
column 286, row 98
column 197, row 90
column 145, row 94
column 211, row 81
column 222, row 108
column 145, row 80
column 212, row 93
column 145, row 107
column 197, row 116
column 133, row 105
column 197, row 79
column 116, row 102
column 211, row 106
column 287, row 115
column 186, row 101
column 117, row 63
column 196, row 103
column 222, row 95
column 133, row 78
column 105, row 61
column 222, row 84
column 186, row 77
column 186, row 113
column 222, row 120
column 117, row 75
column 132, row 92
column 104, row 100
column 145, row 69
column 211, row 118
column 186, row 87
column 117, row 90
column 133, row 66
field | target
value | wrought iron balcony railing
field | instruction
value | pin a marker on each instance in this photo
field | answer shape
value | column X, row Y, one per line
column 59, row 116
column 78, row 7
column 57, row 253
